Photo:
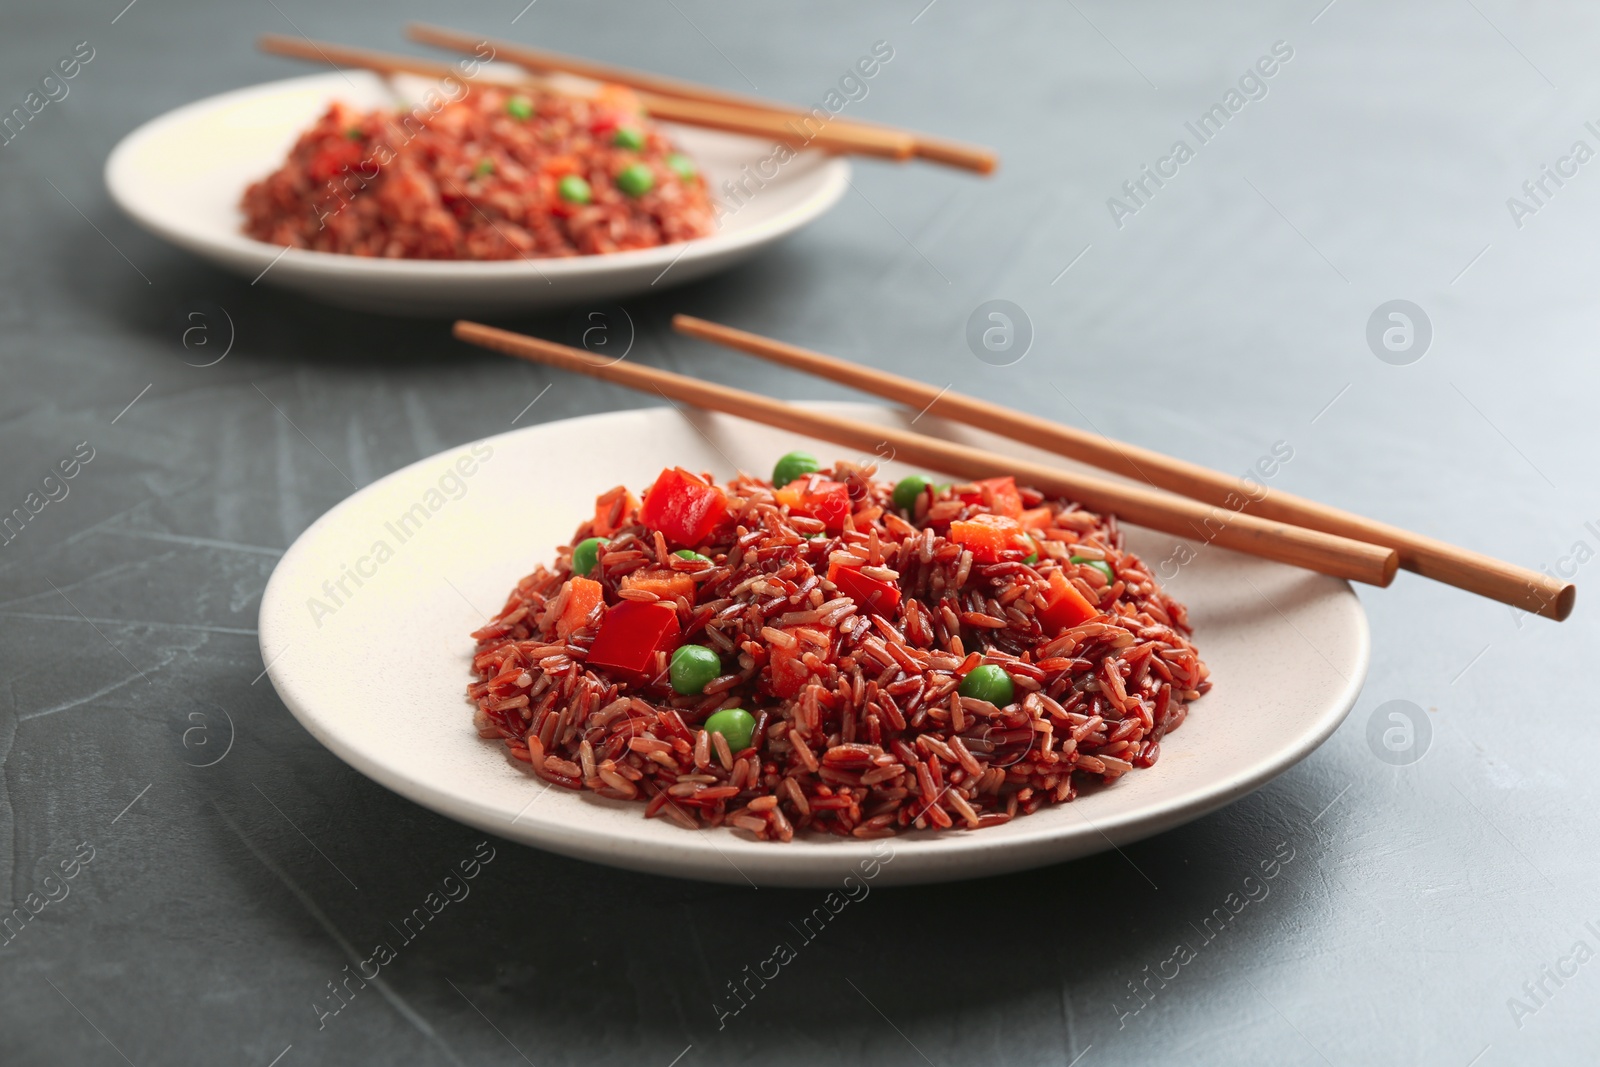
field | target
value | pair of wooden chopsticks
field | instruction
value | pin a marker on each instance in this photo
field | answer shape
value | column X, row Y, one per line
column 660, row 88
column 1273, row 525
column 662, row 98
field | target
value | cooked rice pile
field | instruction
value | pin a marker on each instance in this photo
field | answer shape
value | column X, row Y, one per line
column 860, row 729
column 481, row 179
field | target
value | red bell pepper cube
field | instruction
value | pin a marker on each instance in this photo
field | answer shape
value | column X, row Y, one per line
column 788, row 672
column 631, row 633
column 1065, row 607
column 818, row 498
column 990, row 538
column 872, row 594
column 683, row 507
column 334, row 159
column 1002, row 491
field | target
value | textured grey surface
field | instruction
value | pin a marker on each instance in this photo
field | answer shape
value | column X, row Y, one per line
column 1228, row 313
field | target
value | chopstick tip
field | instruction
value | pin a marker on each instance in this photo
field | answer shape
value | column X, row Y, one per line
column 1565, row 599
column 1391, row 567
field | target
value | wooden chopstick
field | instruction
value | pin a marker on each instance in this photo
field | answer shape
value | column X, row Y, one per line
column 1507, row 583
column 1311, row 549
column 854, row 140
column 971, row 157
column 339, row 56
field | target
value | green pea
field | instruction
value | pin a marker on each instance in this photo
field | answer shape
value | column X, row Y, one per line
column 485, row 166
column 689, row 553
column 682, row 165
column 586, row 556
column 636, row 180
column 574, row 190
column 988, row 682
column 792, row 466
column 736, row 726
column 907, row 490
column 693, row 668
column 519, row 107
column 628, row 137
column 1098, row 564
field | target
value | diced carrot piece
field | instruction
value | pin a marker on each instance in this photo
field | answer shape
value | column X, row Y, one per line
column 1036, row 519
column 606, row 502
column 988, row 537
column 620, row 97
column 664, row 583
column 817, row 497
column 583, row 596
column 1065, row 607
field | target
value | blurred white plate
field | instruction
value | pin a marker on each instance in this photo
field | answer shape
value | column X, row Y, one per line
column 381, row 679
column 180, row 176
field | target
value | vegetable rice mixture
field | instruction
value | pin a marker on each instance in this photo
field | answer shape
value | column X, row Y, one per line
column 492, row 175
column 828, row 652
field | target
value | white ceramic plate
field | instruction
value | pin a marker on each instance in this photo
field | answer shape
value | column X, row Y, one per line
column 180, row 176
column 378, row 672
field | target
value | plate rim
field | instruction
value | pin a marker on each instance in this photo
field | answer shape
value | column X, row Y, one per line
column 1041, row 845
column 116, row 173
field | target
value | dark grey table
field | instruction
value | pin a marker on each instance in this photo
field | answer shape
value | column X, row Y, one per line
column 1440, row 904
